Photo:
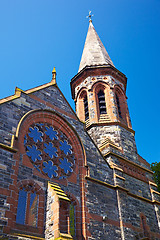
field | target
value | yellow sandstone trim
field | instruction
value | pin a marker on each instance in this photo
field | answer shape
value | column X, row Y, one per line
column 27, row 236
column 20, row 122
column 153, row 183
column 18, row 92
column 7, row 99
column 141, row 198
column 54, row 76
column 53, row 112
column 39, row 88
column 115, row 175
column 153, row 191
column 64, row 236
column 156, row 202
column 123, row 189
column 107, row 143
column 10, row 149
column 100, row 182
column 114, row 166
column 60, row 193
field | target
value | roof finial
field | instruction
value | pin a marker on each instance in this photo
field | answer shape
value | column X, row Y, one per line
column 53, row 76
column 90, row 16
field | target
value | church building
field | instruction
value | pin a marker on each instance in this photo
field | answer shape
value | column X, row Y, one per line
column 67, row 175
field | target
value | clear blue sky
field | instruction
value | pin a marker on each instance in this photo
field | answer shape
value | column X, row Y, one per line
column 37, row 35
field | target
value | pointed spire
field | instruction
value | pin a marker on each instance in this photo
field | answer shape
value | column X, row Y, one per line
column 94, row 53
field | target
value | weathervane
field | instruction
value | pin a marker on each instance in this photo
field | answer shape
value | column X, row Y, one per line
column 90, row 16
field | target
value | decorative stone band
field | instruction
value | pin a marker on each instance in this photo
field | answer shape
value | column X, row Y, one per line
column 110, row 124
column 152, row 183
column 63, row 236
column 20, row 236
column 108, row 143
column 102, row 70
column 8, row 148
column 125, row 159
column 115, row 175
column 153, row 191
column 122, row 189
column 115, row 166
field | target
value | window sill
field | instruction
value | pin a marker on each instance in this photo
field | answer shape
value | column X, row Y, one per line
column 27, row 231
column 64, row 236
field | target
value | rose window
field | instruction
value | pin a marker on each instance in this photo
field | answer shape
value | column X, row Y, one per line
column 49, row 150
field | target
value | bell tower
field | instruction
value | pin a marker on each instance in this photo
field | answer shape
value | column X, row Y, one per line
column 99, row 92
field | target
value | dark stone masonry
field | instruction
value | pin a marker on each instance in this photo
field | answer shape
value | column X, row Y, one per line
column 66, row 175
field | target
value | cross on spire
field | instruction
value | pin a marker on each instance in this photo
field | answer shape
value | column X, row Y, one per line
column 90, row 16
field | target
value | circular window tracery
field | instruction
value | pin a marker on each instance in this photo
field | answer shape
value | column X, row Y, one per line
column 49, row 150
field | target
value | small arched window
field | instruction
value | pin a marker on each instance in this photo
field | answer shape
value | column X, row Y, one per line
column 67, row 218
column 86, row 107
column 64, row 216
column 118, row 106
column 27, row 210
column 102, row 102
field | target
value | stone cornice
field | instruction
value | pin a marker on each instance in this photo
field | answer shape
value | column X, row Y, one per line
column 8, row 148
column 110, row 124
column 15, row 234
column 117, row 187
column 126, row 160
column 94, row 71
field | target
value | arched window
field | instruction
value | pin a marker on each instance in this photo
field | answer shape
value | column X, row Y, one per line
column 102, row 103
column 118, row 106
column 72, row 220
column 65, row 215
column 67, row 218
column 27, row 210
column 86, row 107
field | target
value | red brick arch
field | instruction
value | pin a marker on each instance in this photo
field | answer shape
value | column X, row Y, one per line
column 77, row 211
column 100, row 85
column 56, row 120
column 80, row 103
column 31, row 186
column 123, row 105
column 29, row 182
column 81, row 92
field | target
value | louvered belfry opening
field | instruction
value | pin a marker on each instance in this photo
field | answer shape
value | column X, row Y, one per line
column 102, row 103
column 86, row 108
column 118, row 106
